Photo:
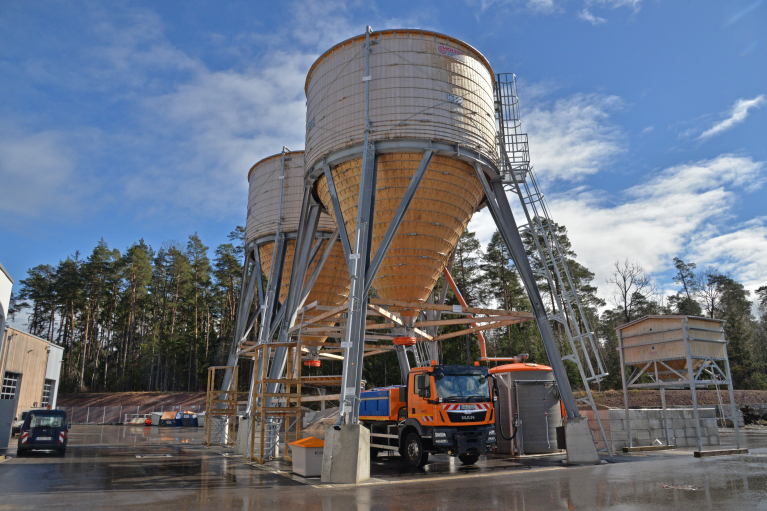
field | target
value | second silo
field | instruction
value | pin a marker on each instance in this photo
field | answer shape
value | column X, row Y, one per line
column 264, row 183
column 424, row 88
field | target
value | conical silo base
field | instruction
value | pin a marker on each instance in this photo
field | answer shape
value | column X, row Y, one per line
column 331, row 287
column 447, row 197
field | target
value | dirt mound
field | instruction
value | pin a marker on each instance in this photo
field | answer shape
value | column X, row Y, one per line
column 651, row 398
column 128, row 399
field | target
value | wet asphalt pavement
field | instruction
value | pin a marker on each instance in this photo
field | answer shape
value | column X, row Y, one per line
column 112, row 467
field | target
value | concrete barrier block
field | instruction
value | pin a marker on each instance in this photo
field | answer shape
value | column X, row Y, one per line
column 620, row 435
column 655, row 423
column 713, row 440
column 640, row 424
column 690, row 432
column 704, row 440
column 677, row 423
column 680, row 433
column 680, row 442
column 657, row 433
column 688, row 414
column 708, row 423
column 617, row 424
column 642, row 434
column 712, row 431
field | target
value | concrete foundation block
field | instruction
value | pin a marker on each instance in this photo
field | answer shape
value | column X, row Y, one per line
column 617, row 424
column 690, row 432
column 242, row 441
column 677, row 423
column 708, row 423
column 346, row 458
column 580, row 443
column 680, row 433
column 657, row 433
column 711, row 431
column 705, row 441
column 642, row 434
column 655, row 423
column 681, row 442
column 688, row 414
column 713, row 440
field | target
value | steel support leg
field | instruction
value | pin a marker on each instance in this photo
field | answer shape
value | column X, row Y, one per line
column 732, row 402
column 693, row 379
column 500, row 209
column 354, row 340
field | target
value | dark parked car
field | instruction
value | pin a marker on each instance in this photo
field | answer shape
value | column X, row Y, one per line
column 44, row 430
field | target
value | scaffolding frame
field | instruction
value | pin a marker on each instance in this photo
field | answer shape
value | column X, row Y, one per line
column 215, row 406
column 277, row 399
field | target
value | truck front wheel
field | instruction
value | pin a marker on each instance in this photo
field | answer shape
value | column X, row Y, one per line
column 414, row 453
column 468, row 459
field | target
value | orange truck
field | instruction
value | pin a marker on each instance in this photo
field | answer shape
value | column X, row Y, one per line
column 442, row 409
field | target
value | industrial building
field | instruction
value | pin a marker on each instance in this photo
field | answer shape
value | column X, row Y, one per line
column 31, row 367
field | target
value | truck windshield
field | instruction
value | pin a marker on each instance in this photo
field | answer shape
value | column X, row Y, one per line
column 465, row 388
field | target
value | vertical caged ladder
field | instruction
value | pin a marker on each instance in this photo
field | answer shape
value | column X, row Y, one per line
column 518, row 177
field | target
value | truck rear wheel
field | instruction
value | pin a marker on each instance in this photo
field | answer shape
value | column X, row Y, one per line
column 414, row 453
column 468, row 459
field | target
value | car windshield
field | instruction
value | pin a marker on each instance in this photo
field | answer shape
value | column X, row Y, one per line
column 463, row 388
column 46, row 421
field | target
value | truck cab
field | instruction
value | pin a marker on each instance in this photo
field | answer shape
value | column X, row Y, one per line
column 442, row 409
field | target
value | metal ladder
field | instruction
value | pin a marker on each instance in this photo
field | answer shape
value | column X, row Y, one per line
column 518, row 177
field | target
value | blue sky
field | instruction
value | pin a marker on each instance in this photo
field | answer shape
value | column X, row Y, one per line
column 647, row 118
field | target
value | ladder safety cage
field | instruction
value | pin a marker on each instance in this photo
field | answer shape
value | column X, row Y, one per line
column 518, row 177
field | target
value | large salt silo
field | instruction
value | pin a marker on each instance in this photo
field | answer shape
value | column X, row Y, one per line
column 425, row 88
column 265, row 186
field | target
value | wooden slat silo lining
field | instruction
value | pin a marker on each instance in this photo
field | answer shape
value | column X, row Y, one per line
column 408, row 95
column 427, row 234
column 264, row 196
column 331, row 287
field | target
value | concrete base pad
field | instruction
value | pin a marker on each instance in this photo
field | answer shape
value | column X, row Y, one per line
column 242, row 441
column 346, row 458
column 719, row 452
column 580, row 443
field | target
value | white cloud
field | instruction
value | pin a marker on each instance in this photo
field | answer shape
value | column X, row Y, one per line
column 536, row 6
column 587, row 16
column 740, row 252
column 40, row 176
column 614, row 4
column 671, row 214
column 573, row 137
column 681, row 211
column 737, row 114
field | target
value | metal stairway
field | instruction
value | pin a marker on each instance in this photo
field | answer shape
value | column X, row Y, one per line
column 518, row 177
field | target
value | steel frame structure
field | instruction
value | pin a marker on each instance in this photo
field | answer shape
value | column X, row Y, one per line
column 713, row 371
column 363, row 271
column 519, row 178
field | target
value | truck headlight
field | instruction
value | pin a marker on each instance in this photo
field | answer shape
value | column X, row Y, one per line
column 440, row 435
column 491, row 432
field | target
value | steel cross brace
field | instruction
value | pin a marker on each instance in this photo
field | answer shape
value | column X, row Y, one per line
column 499, row 207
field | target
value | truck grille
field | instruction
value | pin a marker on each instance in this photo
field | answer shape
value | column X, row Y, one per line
column 476, row 416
